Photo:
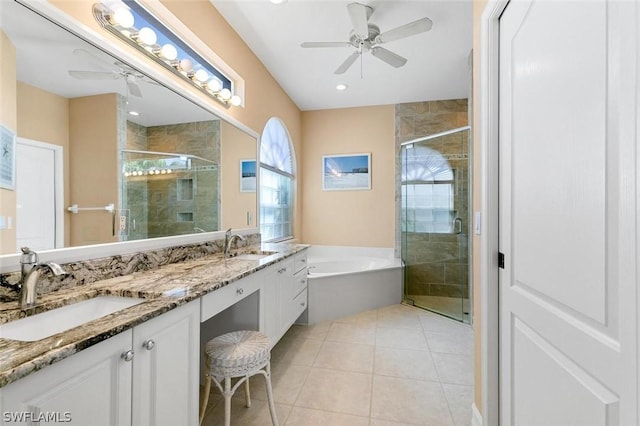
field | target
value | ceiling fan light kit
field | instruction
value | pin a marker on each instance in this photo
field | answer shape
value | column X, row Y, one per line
column 366, row 37
column 164, row 47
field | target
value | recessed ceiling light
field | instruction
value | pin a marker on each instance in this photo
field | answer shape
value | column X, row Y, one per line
column 134, row 113
column 341, row 86
column 278, row 1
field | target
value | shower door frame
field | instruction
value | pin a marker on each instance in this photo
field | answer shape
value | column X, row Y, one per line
column 402, row 146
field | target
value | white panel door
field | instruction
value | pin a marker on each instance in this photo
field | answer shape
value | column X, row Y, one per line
column 568, row 213
column 36, row 194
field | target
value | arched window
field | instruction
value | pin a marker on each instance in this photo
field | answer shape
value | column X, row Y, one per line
column 427, row 191
column 277, row 174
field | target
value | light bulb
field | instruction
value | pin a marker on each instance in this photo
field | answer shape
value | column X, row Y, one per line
column 202, row 75
column 235, row 100
column 122, row 17
column 225, row 94
column 168, row 51
column 214, row 85
column 186, row 65
column 341, row 86
column 147, row 36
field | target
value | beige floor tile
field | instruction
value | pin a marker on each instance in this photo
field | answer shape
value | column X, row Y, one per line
column 316, row 331
column 460, row 399
column 380, row 422
column 438, row 324
column 296, row 350
column 454, row 343
column 345, row 356
column 366, row 317
column 402, row 317
column 286, row 381
column 257, row 415
column 337, row 391
column 401, row 338
column 454, row 369
column 307, row 417
column 409, row 401
column 405, row 363
column 352, row 333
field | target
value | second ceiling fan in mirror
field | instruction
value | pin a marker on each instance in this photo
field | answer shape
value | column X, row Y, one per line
column 111, row 71
column 366, row 37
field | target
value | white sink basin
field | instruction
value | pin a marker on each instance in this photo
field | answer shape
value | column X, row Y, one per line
column 254, row 255
column 57, row 320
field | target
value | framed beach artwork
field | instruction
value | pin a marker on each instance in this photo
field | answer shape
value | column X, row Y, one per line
column 346, row 172
column 7, row 158
column 247, row 175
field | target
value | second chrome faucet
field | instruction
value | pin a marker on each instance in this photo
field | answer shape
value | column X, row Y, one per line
column 228, row 241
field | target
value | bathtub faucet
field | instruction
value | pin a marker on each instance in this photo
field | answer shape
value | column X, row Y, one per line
column 228, row 240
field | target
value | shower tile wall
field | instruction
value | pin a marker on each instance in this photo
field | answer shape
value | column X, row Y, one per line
column 183, row 201
column 437, row 264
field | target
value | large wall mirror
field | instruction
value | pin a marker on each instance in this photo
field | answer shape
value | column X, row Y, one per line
column 132, row 158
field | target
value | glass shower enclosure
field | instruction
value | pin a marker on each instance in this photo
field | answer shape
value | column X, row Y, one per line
column 435, row 237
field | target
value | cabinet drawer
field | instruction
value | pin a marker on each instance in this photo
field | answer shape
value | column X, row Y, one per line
column 300, row 261
column 219, row 300
column 299, row 305
column 300, row 282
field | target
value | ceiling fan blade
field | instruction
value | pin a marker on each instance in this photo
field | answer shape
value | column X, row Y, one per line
column 388, row 56
column 407, row 30
column 359, row 14
column 347, row 63
column 325, row 44
column 94, row 75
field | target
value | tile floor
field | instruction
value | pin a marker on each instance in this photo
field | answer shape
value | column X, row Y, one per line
column 393, row 366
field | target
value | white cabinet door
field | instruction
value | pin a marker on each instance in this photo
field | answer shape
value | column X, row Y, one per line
column 165, row 368
column 568, row 213
column 271, row 288
column 92, row 387
column 284, row 275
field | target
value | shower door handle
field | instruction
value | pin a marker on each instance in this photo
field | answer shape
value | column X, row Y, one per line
column 457, row 225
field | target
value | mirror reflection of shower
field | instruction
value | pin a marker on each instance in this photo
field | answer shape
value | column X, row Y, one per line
column 435, row 239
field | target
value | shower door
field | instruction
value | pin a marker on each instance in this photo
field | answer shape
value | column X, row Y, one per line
column 435, row 199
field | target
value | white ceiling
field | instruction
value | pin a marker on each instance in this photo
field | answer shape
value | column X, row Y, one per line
column 437, row 66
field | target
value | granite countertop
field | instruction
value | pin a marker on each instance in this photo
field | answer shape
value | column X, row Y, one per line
column 162, row 289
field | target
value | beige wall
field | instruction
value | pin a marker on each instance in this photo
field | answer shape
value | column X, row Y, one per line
column 7, row 119
column 44, row 117
column 478, row 8
column 236, row 146
column 349, row 218
column 93, row 136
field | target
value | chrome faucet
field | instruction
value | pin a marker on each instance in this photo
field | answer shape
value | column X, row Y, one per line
column 228, row 240
column 30, row 269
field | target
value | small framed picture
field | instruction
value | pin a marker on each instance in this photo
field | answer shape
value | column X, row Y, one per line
column 7, row 158
column 346, row 172
column 248, row 176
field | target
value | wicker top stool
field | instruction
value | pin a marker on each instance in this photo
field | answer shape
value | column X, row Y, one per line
column 242, row 354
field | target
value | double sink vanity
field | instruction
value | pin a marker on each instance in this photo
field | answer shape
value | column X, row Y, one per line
column 127, row 350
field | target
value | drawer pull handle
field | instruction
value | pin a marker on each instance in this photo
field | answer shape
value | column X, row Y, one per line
column 282, row 270
column 240, row 291
column 149, row 344
column 302, row 304
column 303, row 260
column 127, row 356
column 303, row 281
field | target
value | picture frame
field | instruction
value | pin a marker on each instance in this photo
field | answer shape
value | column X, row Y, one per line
column 7, row 158
column 248, row 177
column 346, row 172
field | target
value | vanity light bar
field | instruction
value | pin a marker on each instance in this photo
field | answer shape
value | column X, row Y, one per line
column 130, row 22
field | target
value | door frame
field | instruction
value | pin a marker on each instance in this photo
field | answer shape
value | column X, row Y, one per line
column 489, row 152
column 489, row 247
column 58, row 171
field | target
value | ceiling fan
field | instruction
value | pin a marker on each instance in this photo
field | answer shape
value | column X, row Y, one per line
column 121, row 71
column 366, row 36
